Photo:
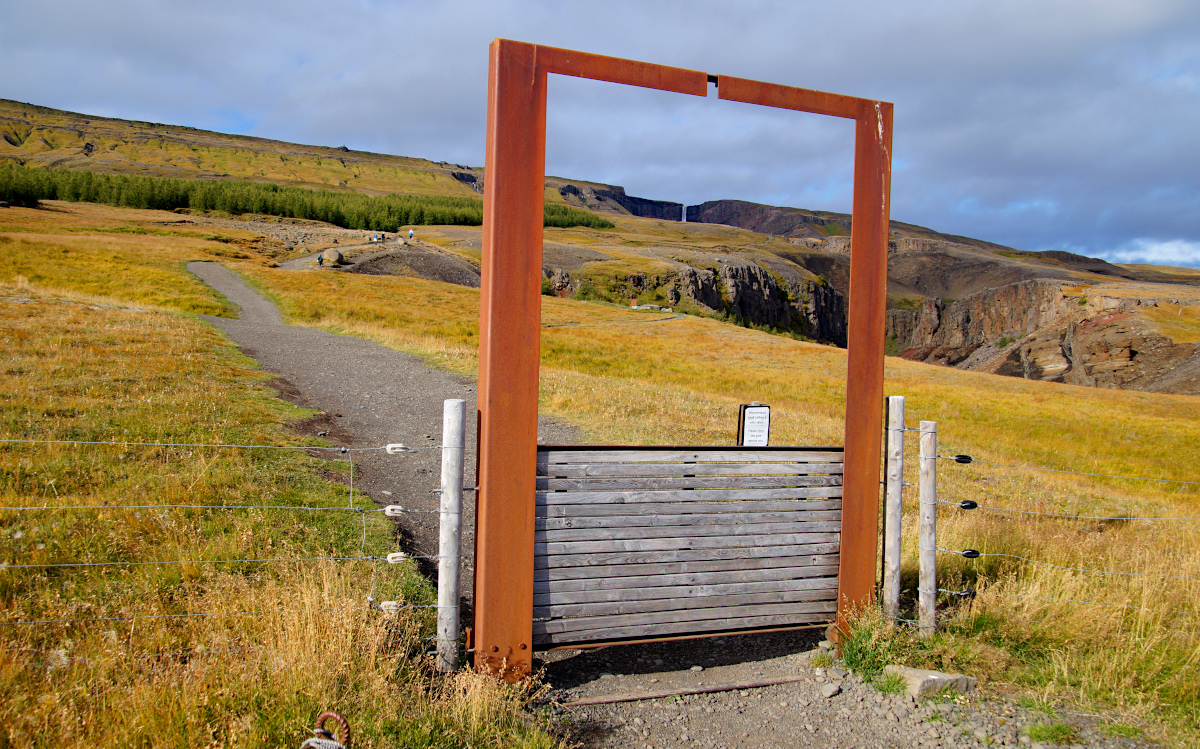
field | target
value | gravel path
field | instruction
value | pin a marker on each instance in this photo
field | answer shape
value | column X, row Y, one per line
column 799, row 713
column 369, row 395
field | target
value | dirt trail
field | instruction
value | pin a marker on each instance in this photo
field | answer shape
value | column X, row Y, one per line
column 371, row 395
column 368, row 396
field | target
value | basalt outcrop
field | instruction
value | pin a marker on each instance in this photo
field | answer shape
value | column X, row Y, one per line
column 1033, row 329
column 741, row 289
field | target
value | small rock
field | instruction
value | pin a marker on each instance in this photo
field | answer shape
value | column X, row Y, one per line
column 607, row 676
column 697, row 668
column 825, row 645
column 839, row 673
column 829, row 690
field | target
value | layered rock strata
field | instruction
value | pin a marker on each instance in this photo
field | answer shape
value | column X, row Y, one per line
column 1034, row 330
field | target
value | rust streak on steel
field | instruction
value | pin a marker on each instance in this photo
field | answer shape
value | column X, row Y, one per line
column 510, row 310
column 864, row 357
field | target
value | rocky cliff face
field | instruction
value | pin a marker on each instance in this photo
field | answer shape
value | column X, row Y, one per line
column 742, row 289
column 1033, row 330
column 751, row 293
column 613, row 198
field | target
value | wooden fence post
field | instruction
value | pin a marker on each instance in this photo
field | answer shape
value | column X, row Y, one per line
column 450, row 541
column 892, row 507
column 927, row 586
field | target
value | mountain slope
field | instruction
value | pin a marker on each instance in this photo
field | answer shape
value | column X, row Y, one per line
column 781, row 268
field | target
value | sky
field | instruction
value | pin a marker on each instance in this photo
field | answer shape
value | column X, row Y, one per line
column 1048, row 125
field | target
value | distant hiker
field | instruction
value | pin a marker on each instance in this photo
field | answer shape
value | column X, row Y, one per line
column 321, row 260
column 410, row 233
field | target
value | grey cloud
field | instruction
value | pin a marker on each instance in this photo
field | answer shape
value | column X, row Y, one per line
column 1035, row 124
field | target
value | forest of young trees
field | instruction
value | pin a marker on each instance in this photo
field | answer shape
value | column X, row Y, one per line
column 25, row 186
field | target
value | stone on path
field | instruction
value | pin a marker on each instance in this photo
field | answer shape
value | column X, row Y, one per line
column 829, row 690
column 333, row 256
column 923, row 683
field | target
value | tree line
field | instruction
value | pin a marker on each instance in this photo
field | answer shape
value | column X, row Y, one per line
column 26, row 186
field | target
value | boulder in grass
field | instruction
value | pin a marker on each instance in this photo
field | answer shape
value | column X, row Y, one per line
column 333, row 256
column 923, row 683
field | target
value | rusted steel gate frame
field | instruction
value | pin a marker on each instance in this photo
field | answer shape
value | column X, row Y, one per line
column 510, row 324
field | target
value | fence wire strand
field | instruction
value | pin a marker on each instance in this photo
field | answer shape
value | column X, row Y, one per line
column 1074, row 473
column 959, row 552
column 1127, row 518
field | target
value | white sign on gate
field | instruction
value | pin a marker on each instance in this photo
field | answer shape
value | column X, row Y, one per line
column 754, row 425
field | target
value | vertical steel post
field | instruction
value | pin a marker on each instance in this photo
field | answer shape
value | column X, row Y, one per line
column 864, row 357
column 893, row 507
column 927, row 541
column 454, row 427
column 509, row 345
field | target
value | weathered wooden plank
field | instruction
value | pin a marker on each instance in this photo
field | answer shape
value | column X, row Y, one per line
column 686, row 495
column 675, row 628
column 692, row 521
column 683, row 603
column 666, row 544
column 582, row 470
column 686, row 508
column 562, row 598
column 684, row 578
column 735, row 558
column 651, row 483
column 691, row 615
column 800, row 455
column 685, row 531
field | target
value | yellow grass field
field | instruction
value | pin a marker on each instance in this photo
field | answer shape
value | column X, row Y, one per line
column 634, row 377
column 101, row 347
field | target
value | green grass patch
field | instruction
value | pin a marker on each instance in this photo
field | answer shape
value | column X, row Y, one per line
column 889, row 683
column 1121, row 730
column 1055, row 733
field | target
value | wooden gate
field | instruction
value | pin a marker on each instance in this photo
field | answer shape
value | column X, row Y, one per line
column 640, row 543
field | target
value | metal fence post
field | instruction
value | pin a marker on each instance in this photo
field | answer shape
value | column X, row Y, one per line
column 927, row 587
column 450, row 541
column 892, row 507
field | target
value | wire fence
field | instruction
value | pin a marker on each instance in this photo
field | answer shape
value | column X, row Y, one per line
column 968, row 505
column 391, row 449
column 362, row 512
